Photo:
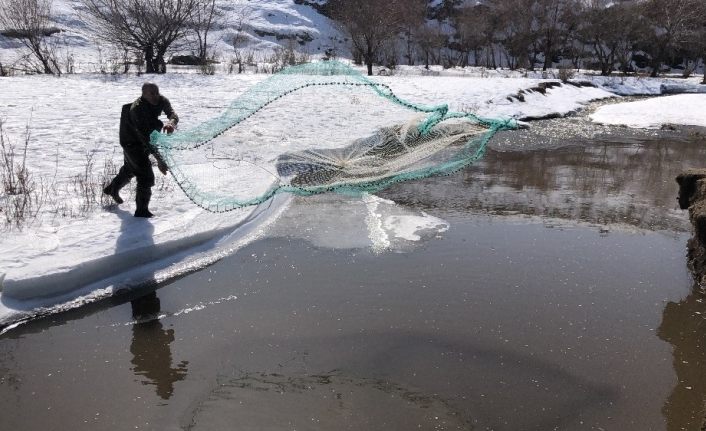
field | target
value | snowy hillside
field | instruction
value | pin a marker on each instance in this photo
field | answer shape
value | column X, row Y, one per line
column 262, row 25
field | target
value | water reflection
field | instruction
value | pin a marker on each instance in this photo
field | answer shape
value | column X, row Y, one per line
column 612, row 183
column 683, row 326
column 151, row 353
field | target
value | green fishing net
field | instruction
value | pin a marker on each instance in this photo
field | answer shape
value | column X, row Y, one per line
column 315, row 128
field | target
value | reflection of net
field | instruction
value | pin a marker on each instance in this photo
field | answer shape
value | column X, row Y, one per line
column 337, row 131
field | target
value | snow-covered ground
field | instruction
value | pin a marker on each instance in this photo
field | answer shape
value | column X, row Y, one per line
column 71, row 255
column 682, row 109
column 262, row 26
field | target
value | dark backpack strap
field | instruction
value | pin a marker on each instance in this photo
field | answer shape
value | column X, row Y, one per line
column 125, row 111
column 127, row 136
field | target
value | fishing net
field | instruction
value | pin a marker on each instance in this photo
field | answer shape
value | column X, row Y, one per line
column 315, row 128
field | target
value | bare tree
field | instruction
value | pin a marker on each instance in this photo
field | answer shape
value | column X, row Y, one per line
column 516, row 29
column 609, row 32
column 370, row 24
column 206, row 16
column 413, row 16
column 699, row 38
column 475, row 31
column 446, row 9
column 672, row 23
column 692, row 48
column 29, row 21
column 240, row 14
column 151, row 27
column 430, row 40
column 553, row 19
column 629, row 28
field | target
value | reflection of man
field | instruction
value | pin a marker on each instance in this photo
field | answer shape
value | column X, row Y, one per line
column 137, row 121
column 683, row 326
column 151, row 355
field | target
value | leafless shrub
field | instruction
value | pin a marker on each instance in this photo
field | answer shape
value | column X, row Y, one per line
column 14, row 169
column 566, row 73
column 689, row 69
column 239, row 18
column 110, row 169
column 208, row 68
column 330, row 54
column 241, row 58
column 112, row 61
column 69, row 63
column 230, row 65
column 115, row 67
column 303, row 58
column 23, row 197
column 20, row 198
column 86, row 186
column 56, row 205
column 282, row 57
column 164, row 184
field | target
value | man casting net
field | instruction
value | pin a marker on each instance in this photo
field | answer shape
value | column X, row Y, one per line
column 314, row 128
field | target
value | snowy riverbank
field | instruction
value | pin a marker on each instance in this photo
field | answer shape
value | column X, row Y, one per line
column 67, row 251
column 682, row 109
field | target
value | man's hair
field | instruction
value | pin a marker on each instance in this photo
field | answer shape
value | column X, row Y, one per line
column 147, row 85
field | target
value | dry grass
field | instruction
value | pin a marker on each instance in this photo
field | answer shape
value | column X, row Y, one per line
column 23, row 195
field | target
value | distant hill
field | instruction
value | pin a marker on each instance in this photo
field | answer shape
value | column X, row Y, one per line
column 262, row 26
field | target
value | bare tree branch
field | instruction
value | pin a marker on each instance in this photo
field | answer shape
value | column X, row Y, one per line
column 30, row 22
column 152, row 27
column 369, row 23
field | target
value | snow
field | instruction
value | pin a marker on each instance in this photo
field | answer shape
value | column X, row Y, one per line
column 272, row 23
column 682, row 109
column 68, row 255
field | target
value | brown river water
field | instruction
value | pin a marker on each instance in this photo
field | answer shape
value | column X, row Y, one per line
column 557, row 296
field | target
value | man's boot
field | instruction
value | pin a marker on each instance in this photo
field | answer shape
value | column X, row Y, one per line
column 142, row 201
column 113, row 189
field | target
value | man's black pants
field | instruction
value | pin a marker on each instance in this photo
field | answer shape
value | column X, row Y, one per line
column 136, row 164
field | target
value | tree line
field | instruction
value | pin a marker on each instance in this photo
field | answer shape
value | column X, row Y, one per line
column 605, row 35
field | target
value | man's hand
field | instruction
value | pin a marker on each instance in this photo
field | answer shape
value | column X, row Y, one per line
column 169, row 128
column 163, row 168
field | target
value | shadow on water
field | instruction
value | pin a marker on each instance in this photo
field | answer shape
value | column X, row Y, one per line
column 131, row 230
column 684, row 327
column 150, row 343
column 150, row 346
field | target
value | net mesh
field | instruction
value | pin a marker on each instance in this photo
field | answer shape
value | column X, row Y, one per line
column 315, row 128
